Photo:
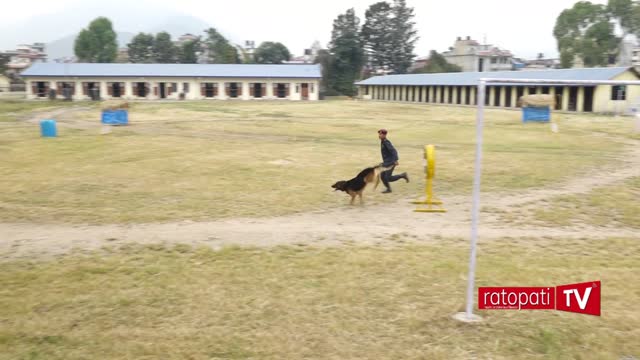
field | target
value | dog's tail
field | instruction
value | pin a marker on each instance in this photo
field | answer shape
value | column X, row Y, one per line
column 377, row 171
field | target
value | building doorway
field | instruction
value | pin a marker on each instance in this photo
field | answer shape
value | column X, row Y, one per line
column 558, row 97
column 507, row 96
column 588, row 99
column 573, row 98
column 233, row 90
column 257, row 90
column 116, row 90
column 141, row 89
column 41, row 89
column 519, row 94
column 163, row 90
column 305, row 91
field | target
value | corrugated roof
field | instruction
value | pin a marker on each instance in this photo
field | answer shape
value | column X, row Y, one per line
column 173, row 70
column 472, row 78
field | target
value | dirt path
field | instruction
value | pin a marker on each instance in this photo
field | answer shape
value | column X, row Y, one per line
column 373, row 225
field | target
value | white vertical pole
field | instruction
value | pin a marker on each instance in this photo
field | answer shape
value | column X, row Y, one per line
column 476, row 198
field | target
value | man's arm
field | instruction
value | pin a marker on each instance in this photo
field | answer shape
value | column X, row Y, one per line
column 392, row 149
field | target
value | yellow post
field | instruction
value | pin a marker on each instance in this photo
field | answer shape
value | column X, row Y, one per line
column 430, row 174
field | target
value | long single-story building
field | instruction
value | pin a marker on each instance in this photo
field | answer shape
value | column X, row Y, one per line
column 460, row 89
column 173, row 81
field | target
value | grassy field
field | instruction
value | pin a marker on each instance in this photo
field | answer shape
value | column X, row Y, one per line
column 208, row 160
column 393, row 300
column 616, row 205
column 305, row 302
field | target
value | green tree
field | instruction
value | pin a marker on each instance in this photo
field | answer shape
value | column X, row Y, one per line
column 625, row 12
column 389, row 36
column 586, row 32
column 219, row 50
column 404, row 36
column 188, row 52
column 271, row 53
column 376, row 35
column 437, row 64
column 348, row 55
column 4, row 60
column 164, row 50
column 140, row 49
column 97, row 43
column 325, row 59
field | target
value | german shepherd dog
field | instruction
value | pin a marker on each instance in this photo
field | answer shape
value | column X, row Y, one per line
column 356, row 186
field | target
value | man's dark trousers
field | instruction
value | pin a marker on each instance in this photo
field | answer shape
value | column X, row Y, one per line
column 387, row 177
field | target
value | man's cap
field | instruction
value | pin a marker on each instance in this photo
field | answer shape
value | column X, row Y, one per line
column 382, row 131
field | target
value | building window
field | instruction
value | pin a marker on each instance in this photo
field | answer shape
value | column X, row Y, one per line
column 185, row 88
column 619, row 92
column 493, row 60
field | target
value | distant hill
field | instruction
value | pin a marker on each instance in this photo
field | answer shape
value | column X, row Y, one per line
column 58, row 31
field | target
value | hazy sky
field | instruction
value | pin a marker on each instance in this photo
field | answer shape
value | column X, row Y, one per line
column 525, row 28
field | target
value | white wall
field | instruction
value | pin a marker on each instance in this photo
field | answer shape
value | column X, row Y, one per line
column 295, row 86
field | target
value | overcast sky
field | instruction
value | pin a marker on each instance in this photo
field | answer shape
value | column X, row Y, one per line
column 525, row 28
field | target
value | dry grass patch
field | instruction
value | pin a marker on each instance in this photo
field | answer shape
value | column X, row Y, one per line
column 207, row 160
column 616, row 206
column 305, row 302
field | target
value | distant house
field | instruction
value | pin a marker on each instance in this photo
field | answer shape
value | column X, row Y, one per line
column 25, row 55
column 460, row 89
column 419, row 63
column 309, row 56
column 542, row 64
column 472, row 56
column 173, row 81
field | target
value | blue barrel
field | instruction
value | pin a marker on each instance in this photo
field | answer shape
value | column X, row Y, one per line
column 48, row 128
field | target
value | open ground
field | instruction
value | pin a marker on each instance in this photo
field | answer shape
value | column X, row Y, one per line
column 209, row 230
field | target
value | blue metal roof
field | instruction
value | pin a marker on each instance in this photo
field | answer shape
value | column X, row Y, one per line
column 172, row 70
column 472, row 78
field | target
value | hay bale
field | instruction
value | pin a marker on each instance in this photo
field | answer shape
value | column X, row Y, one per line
column 115, row 105
column 539, row 100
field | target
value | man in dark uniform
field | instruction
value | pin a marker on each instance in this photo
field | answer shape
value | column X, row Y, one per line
column 389, row 159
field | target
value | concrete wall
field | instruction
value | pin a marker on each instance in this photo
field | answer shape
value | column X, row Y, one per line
column 602, row 102
column 193, row 93
column 602, row 96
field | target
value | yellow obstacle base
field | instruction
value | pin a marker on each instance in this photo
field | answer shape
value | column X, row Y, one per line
column 430, row 172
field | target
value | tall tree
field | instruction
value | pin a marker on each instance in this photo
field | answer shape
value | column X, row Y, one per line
column 376, row 35
column 404, row 36
column 271, row 53
column 325, row 59
column 625, row 12
column 437, row 64
column 389, row 36
column 585, row 32
column 188, row 52
column 97, row 43
column 219, row 50
column 141, row 49
column 348, row 55
column 164, row 50
column 4, row 60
